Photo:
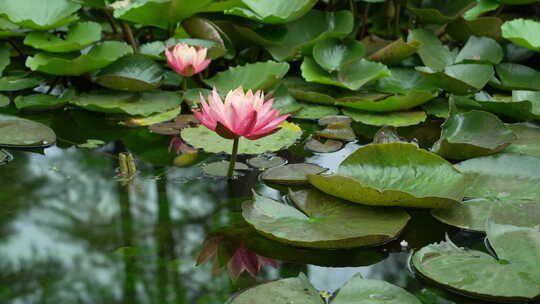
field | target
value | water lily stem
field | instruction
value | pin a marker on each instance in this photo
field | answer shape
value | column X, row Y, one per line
column 184, row 84
column 128, row 34
column 232, row 161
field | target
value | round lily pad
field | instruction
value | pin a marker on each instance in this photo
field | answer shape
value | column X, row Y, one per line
column 40, row 15
column 311, row 111
column 390, row 52
column 394, row 174
column 523, row 32
column 18, row 132
column 73, row 64
column 221, row 168
column 360, row 290
column 79, row 36
column 291, row 174
column 528, row 139
column 470, row 215
column 472, row 134
column 309, row 91
column 440, row 11
column 208, row 140
column 323, row 221
column 337, row 131
column 274, row 11
column 393, row 119
column 324, row 146
column 266, row 161
column 131, row 73
column 332, row 54
column 503, row 175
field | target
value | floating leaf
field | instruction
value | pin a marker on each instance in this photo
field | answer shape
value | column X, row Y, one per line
column 209, row 141
column 360, row 290
column 513, row 76
column 264, row 162
column 327, row 146
column 18, row 132
column 79, row 36
column 144, row 104
column 97, row 58
column 310, row 91
column 438, row 108
column 44, row 15
column 394, row 119
column 388, row 104
column 285, row 102
column 504, row 175
column 310, row 111
column 390, row 52
column 4, row 100
column 91, row 144
column 475, row 273
column 462, row 29
column 145, row 12
column 272, row 11
column 314, row 26
column 16, row 83
column 481, row 7
column 352, row 77
column 333, row 55
column 206, row 30
column 472, row 134
column 221, row 168
column 470, row 215
column 480, row 50
column 156, row 120
column 432, row 52
column 291, row 174
column 323, row 222
column 517, row 106
column 441, row 11
column 43, row 101
column 131, row 73
column 335, row 119
column 403, row 81
column 523, row 32
column 528, row 139
column 256, row 76
column 418, row 178
column 337, row 131
column 460, row 78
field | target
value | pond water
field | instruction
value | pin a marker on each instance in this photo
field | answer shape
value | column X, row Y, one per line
column 73, row 232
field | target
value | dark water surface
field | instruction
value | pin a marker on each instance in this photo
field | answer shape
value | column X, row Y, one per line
column 71, row 232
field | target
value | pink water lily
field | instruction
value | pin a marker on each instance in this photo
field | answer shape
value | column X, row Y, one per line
column 187, row 60
column 242, row 114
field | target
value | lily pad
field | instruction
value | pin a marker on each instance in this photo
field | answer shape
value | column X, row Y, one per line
column 475, row 273
column 470, row 215
column 441, row 11
column 266, row 161
column 97, row 58
column 352, row 77
column 481, row 7
column 144, row 104
column 460, row 78
column 79, row 36
column 44, row 15
column 392, row 52
column 272, row 11
column 310, row 91
column 255, row 76
column 360, row 290
column 131, row 73
column 291, row 174
column 146, row 12
column 221, row 168
column 323, row 146
column 16, row 83
column 43, row 101
column 388, row 104
column 488, row 26
column 4, row 100
column 337, row 131
column 438, row 107
column 311, row 111
column 314, row 26
column 335, row 119
column 206, row 30
column 418, row 178
column 518, row 106
column 504, row 175
column 323, row 221
column 333, row 55
column 513, row 76
column 528, row 139
column 394, row 119
column 480, row 50
column 472, row 134
column 203, row 138
column 18, row 132
column 523, row 32
column 432, row 52
column 403, row 81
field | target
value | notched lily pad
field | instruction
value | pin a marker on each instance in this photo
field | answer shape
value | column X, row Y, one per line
column 19, row 82
column 39, row 15
column 337, row 131
column 528, row 139
column 523, row 32
column 470, row 215
column 393, row 119
column 323, row 146
column 360, row 290
column 335, row 119
column 131, row 73
column 323, row 221
column 43, row 101
column 513, row 76
column 459, row 78
column 291, row 174
column 272, row 11
column 18, row 132
column 389, row 52
column 266, row 161
column 311, row 111
column 418, row 178
column 79, row 36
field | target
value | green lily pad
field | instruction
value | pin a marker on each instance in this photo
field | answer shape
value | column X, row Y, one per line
column 144, row 103
column 272, row 11
column 266, row 161
column 91, row 144
column 513, row 76
column 475, row 273
column 432, row 52
column 302, row 34
column 4, row 101
column 387, row 135
column 393, row 119
column 311, row 111
column 470, row 215
column 79, row 36
column 472, row 134
column 528, row 139
column 146, row 12
column 221, row 168
column 327, row 146
column 522, row 105
column 460, row 78
column 523, row 32
column 9, row 29
column 441, row 11
column 281, row 292
column 18, row 132
column 44, row 15
column 206, row 30
column 291, row 174
column 418, row 178
column 43, row 101
column 462, row 29
column 157, row 121
column 391, row 52
column 438, row 107
column 323, row 221
column 335, row 119
column 360, row 290
column 389, row 104
column 337, row 131
column 481, row 7
column 352, row 77
column 203, row 138
column 480, row 50
column 403, row 81
column 97, row 58
column 333, row 55
column 16, row 83
column 503, row 175
column 255, row 76
column 310, row 91
column 284, row 101
column 131, row 73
